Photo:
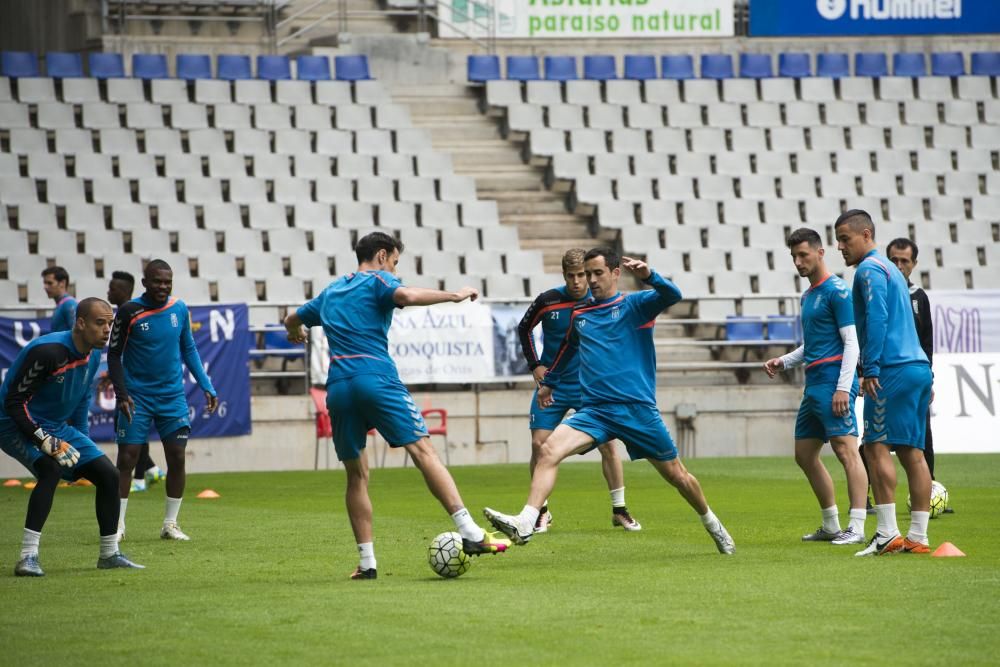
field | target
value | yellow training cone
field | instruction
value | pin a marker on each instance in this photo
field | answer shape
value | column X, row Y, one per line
column 947, row 549
column 208, row 493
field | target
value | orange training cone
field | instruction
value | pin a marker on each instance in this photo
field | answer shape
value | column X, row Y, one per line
column 12, row 482
column 209, row 493
column 947, row 549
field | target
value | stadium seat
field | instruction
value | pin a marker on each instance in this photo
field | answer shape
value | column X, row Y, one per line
column 312, row 68
column 483, row 68
column 744, row 328
column 677, row 67
column 59, row 65
column 599, row 68
column 832, row 65
column 233, row 67
column 149, row 66
column 560, row 68
column 782, row 327
column 985, row 63
column 352, row 68
column 191, row 66
column 794, row 65
column 522, row 68
column 756, row 66
column 871, row 64
column 273, row 68
column 716, row 66
column 106, row 65
column 640, row 67
column 948, row 64
column 909, row 64
column 19, row 64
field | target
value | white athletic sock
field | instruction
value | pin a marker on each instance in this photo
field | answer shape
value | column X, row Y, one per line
column 121, row 515
column 528, row 517
column 467, row 527
column 109, row 545
column 367, row 552
column 886, row 515
column 858, row 517
column 173, row 507
column 918, row 527
column 618, row 497
column 831, row 520
column 29, row 543
column 709, row 520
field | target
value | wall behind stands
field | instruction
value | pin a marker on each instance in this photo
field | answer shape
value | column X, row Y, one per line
column 45, row 25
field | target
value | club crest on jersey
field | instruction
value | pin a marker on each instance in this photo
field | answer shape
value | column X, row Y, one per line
column 615, row 312
column 173, row 320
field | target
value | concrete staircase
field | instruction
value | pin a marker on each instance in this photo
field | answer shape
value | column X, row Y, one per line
column 451, row 114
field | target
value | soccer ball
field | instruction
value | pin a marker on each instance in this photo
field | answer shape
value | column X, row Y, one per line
column 939, row 499
column 446, row 557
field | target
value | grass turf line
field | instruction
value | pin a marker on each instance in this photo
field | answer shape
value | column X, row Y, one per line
column 264, row 578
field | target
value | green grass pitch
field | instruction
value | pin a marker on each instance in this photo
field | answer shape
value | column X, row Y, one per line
column 264, row 579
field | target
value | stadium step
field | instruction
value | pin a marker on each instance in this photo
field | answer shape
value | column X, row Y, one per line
column 502, row 177
column 529, row 203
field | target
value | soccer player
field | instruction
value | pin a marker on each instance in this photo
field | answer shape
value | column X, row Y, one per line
column 55, row 280
column 150, row 338
column 364, row 390
column 830, row 355
column 45, row 425
column 553, row 309
column 613, row 335
column 120, row 289
column 896, row 385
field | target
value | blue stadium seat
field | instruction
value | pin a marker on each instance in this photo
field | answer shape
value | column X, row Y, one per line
column 986, row 63
column 313, row 68
column 274, row 68
column 59, row 65
column 233, row 68
column 832, row 65
column 192, row 66
column 794, row 65
column 783, row 327
column 17, row 64
column 522, row 68
column 716, row 66
column 756, row 66
column 744, row 328
column 677, row 67
column 560, row 68
column 947, row 64
column 640, row 68
column 599, row 68
column 483, row 68
column 106, row 65
column 871, row 64
column 351, row 68
column 149, row 66
column 909, row 64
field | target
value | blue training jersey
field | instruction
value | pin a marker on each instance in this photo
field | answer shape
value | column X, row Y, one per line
column 64, row 315
column 884, row 317
column 553, row 309
column 148, row 343
column 826, row 309
column 355, row 312
column 614, row 340
column 48, row 385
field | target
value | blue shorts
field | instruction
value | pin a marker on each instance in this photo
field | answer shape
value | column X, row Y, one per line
column 639, row 426
column 168, row 417
column 898, row 415
column 816, row 419
column 547, row 419
column 17, row 445
column 360, row 403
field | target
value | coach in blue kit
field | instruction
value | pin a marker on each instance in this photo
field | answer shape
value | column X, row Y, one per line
column 151, row 336
column 45, row 425
column 896, row 385
column 613, row 334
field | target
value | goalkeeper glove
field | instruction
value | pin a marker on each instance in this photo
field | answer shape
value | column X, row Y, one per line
column 63, row 452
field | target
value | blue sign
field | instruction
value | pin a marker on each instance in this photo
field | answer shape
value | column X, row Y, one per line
column 800, row 18
column 223, row 338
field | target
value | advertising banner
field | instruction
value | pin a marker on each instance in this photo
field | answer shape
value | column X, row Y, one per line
column 549, row 19
column 801, row 18
column 450, row 342
column 223, row 338
column 965, row 320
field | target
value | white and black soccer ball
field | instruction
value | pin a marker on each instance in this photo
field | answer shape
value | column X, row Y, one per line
column 939, row 499
column 446, row 557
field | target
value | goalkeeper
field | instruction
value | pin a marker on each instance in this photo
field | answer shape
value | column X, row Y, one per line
column 44, row 425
